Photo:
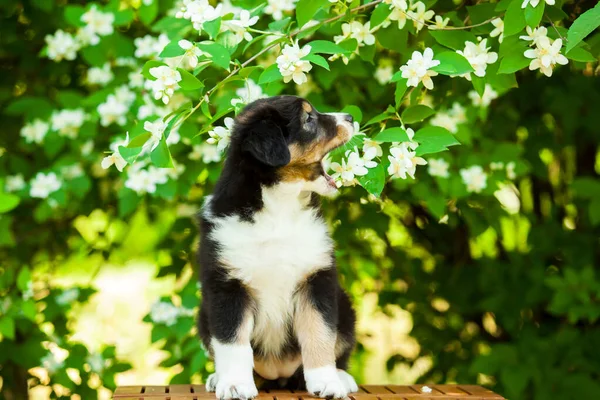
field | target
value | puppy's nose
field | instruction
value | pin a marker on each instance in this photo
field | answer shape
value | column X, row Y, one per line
column 348, row 117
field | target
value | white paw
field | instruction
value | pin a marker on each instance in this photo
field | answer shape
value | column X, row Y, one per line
column 211, row 383
column 235, row 388
column 325, row 382
column 348, row 381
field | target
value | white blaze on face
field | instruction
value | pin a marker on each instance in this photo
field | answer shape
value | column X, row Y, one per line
column 347, row 127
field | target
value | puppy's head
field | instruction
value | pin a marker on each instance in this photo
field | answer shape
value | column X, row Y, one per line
column 287, row 135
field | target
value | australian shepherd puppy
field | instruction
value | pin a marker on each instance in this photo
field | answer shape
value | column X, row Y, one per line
column 271, row 301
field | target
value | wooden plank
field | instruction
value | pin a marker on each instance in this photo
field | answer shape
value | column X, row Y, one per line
column 127, row 390
column 179, row 389
column 479, row 391
column 155, row 389
column 361, row 389
column 199, row 389
column 422, row 390
column 452, row 390
column 391, row 396
column 376, row 389
column 399, row 389
column 363, row 396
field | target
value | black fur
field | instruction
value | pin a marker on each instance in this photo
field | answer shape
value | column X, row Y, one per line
column 259, row 146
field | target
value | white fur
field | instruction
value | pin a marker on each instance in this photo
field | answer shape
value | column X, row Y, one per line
column 233, row 377
column 284, row 244
column 325, row 382
column 348, row 381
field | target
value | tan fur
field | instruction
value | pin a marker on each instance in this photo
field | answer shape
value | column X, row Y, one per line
column 317, row 340
column 306, row 107
column 274, row 368
column 245, row 329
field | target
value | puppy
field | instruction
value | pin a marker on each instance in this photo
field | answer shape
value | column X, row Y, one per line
column 271, row 300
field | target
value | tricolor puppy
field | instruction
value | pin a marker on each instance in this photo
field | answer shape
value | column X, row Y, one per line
column 271, row 300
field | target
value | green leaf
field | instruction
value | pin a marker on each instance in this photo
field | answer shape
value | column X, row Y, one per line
column 161, row 156
column 306, row 10
column 7, row 327
column 594, row 211
column 580, row 54
column 374, row 181
column 23, row 279
column 514, row 19
column 452, row 63
column 278, row 26
column 354, row 111
column 212, row 27
column 478, row 84
column 73, row 15
column 318, row 60
column 397, row 76
column 219, row 54
column 585, row 24
column 148, row 65
column 172, row 50
column 433, row 139
column 400, row 91
column 326, row 47
column 416, row 114
column 189, row 81
column 129, row 154
column 270, row 74
column 148, row 13
column 453, row 39
column 123, row 17
column 8, row 201
column 139, row 140
column 533, row 15
column 379, row 15
column 513, row 62
column 395, row 134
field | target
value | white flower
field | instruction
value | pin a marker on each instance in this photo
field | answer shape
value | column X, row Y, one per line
column 535, row 35
column 144, row 181
column 498, row 29
column 440, row 22
column 112, row 111
column 534, row 3
column 510, row 170
column 478, row 56
column 209, row 153
column 156, row 130
column 44, row 184
column 420, row 15
column 67, row 296
column 450, row 119
column 14, row 183
column 346, row 31
column 174, row 137
column 220, row 135
column 164, row 313
column 190, row 58
column 276, row 8
column 86, row 37
column 96, row 362
column 166, row 82
column 248, row 93
column 68, row 122
column 136, row 79
column 51, row 363
column 98, row 22
column 403, row 160
column 198, row 12
column 116, row 159
column 371, row 149
column 494, row 166
column 149, row 46
column 239, row 26
column 126, row 62
column 353, row 165
column 474, row 178
column 399, row 10
column 417, row 69
column 87, row 147
column 100, row 76
column 292, row 66
column 35, row 131
column 438, row 167
column 149, row 109
column 489, row 94
column 362, row 33
column 61, row 46
column 383, row 74
column 71, row 171
column 546, row 55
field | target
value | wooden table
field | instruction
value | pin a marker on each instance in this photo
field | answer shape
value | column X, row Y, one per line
column 366, row 392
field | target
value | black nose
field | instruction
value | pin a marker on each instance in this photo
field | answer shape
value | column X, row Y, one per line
column 348, row 117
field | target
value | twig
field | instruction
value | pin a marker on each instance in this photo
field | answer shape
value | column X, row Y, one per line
column 557, row 32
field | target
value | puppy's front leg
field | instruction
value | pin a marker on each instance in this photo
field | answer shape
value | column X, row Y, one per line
column 231, row 322
column 315, row 324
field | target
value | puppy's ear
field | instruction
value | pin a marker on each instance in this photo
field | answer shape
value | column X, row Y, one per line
column 266, row 143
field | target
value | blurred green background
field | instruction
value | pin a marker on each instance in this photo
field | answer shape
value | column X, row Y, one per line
column 500, row 288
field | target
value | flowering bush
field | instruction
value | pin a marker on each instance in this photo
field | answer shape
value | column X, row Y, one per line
column 469, row 158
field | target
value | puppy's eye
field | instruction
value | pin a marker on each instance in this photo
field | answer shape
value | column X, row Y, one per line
column 309, row 118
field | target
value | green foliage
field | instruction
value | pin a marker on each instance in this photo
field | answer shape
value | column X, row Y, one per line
column 492, row 247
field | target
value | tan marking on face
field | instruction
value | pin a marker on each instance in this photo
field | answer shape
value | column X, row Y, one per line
column 306, row 107
column 304, row 162
column 317, row 340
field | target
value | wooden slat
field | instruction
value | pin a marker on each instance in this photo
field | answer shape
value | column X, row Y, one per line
column 199, row 389
column 398, row 389
column 452, row 390
column 376, row 389
column 155, row 389
column 433, row 393
column 479, row 391
column 364, row 396
column 127, row 390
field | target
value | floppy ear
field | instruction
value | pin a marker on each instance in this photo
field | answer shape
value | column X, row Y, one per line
column 266, row 143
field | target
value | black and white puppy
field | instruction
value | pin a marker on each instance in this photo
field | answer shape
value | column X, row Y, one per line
column 271, row 300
